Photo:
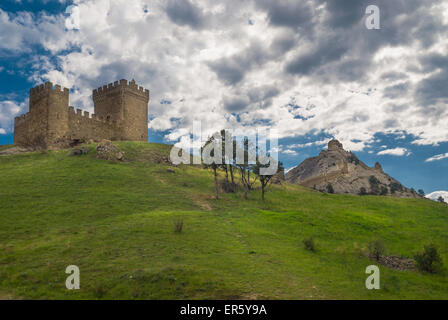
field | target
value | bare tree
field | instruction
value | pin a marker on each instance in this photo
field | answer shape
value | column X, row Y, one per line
column 228, row 156
column 248, row 178
column 214, row 166
column 265, row 179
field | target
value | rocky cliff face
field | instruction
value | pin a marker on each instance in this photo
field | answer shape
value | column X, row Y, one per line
column 339, row 171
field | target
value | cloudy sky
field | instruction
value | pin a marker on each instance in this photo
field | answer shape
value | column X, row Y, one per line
column 310, row 69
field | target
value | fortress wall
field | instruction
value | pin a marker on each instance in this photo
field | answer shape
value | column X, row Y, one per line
column 106, row 90
column 28, row 127
column 127, row 103
column 108, row 101
column 46, row 120
column 34, row 124
column 121, row 113
column 84, row 127
column 135, row 118
column 58, row 101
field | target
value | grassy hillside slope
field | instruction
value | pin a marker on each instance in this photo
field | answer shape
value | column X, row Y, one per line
column 115, row 221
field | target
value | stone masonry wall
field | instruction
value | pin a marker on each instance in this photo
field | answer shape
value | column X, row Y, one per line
column 121, row 113
column 127, row 103
column 84, row 127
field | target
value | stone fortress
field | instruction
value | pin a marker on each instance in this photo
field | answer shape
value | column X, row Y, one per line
column 120, row 113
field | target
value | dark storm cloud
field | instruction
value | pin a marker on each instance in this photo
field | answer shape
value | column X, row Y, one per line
column 260, row 97
column 127, row 69
column 343, row 48
column 235, row 104
column 338, row 45
column 433, row 89
column 231, row 70
column 345, row 13
column 283, row 43
column 434, row 61
column 352, row 69
column 183, row 12
column 393, row 76
column 326, row 51
column 396, row 91
column 395, row 108
column 262, row 93
column 288, row 13
column 391, row 123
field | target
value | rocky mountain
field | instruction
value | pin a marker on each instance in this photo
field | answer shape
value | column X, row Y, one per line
column 339, row 171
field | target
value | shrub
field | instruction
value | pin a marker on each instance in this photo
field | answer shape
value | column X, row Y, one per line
column 178, row 225
column 429, row 260
column 309, row 243
column 353, row 159
column 330, row 188
column 362, row 191
column 376, row 249
column 99, row 291
column 227, row 187
column 395, row 186
column 374, row 185
column 441, row 200
column 383, row 191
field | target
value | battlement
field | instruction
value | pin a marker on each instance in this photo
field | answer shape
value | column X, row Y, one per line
column 22, row 118
column 121, row 85
column 47, row 88
column 121, row 113
column 85, row 115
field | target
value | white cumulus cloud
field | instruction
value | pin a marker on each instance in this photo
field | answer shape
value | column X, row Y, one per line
column 436, row 194
column 296, row 66
column 437, row 157
column 395, row 152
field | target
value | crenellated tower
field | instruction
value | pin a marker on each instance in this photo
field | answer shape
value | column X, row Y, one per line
column 121, row 113
column 47, row 119
column 127, row 104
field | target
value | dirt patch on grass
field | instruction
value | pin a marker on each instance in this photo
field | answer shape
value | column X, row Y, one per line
column 152, row 156
column 204, row 205
column 249, row 296
column 7, row 296
column 202, row 200
column 13, row 151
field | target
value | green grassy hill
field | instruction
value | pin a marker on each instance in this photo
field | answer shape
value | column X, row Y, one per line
column 115, row 221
